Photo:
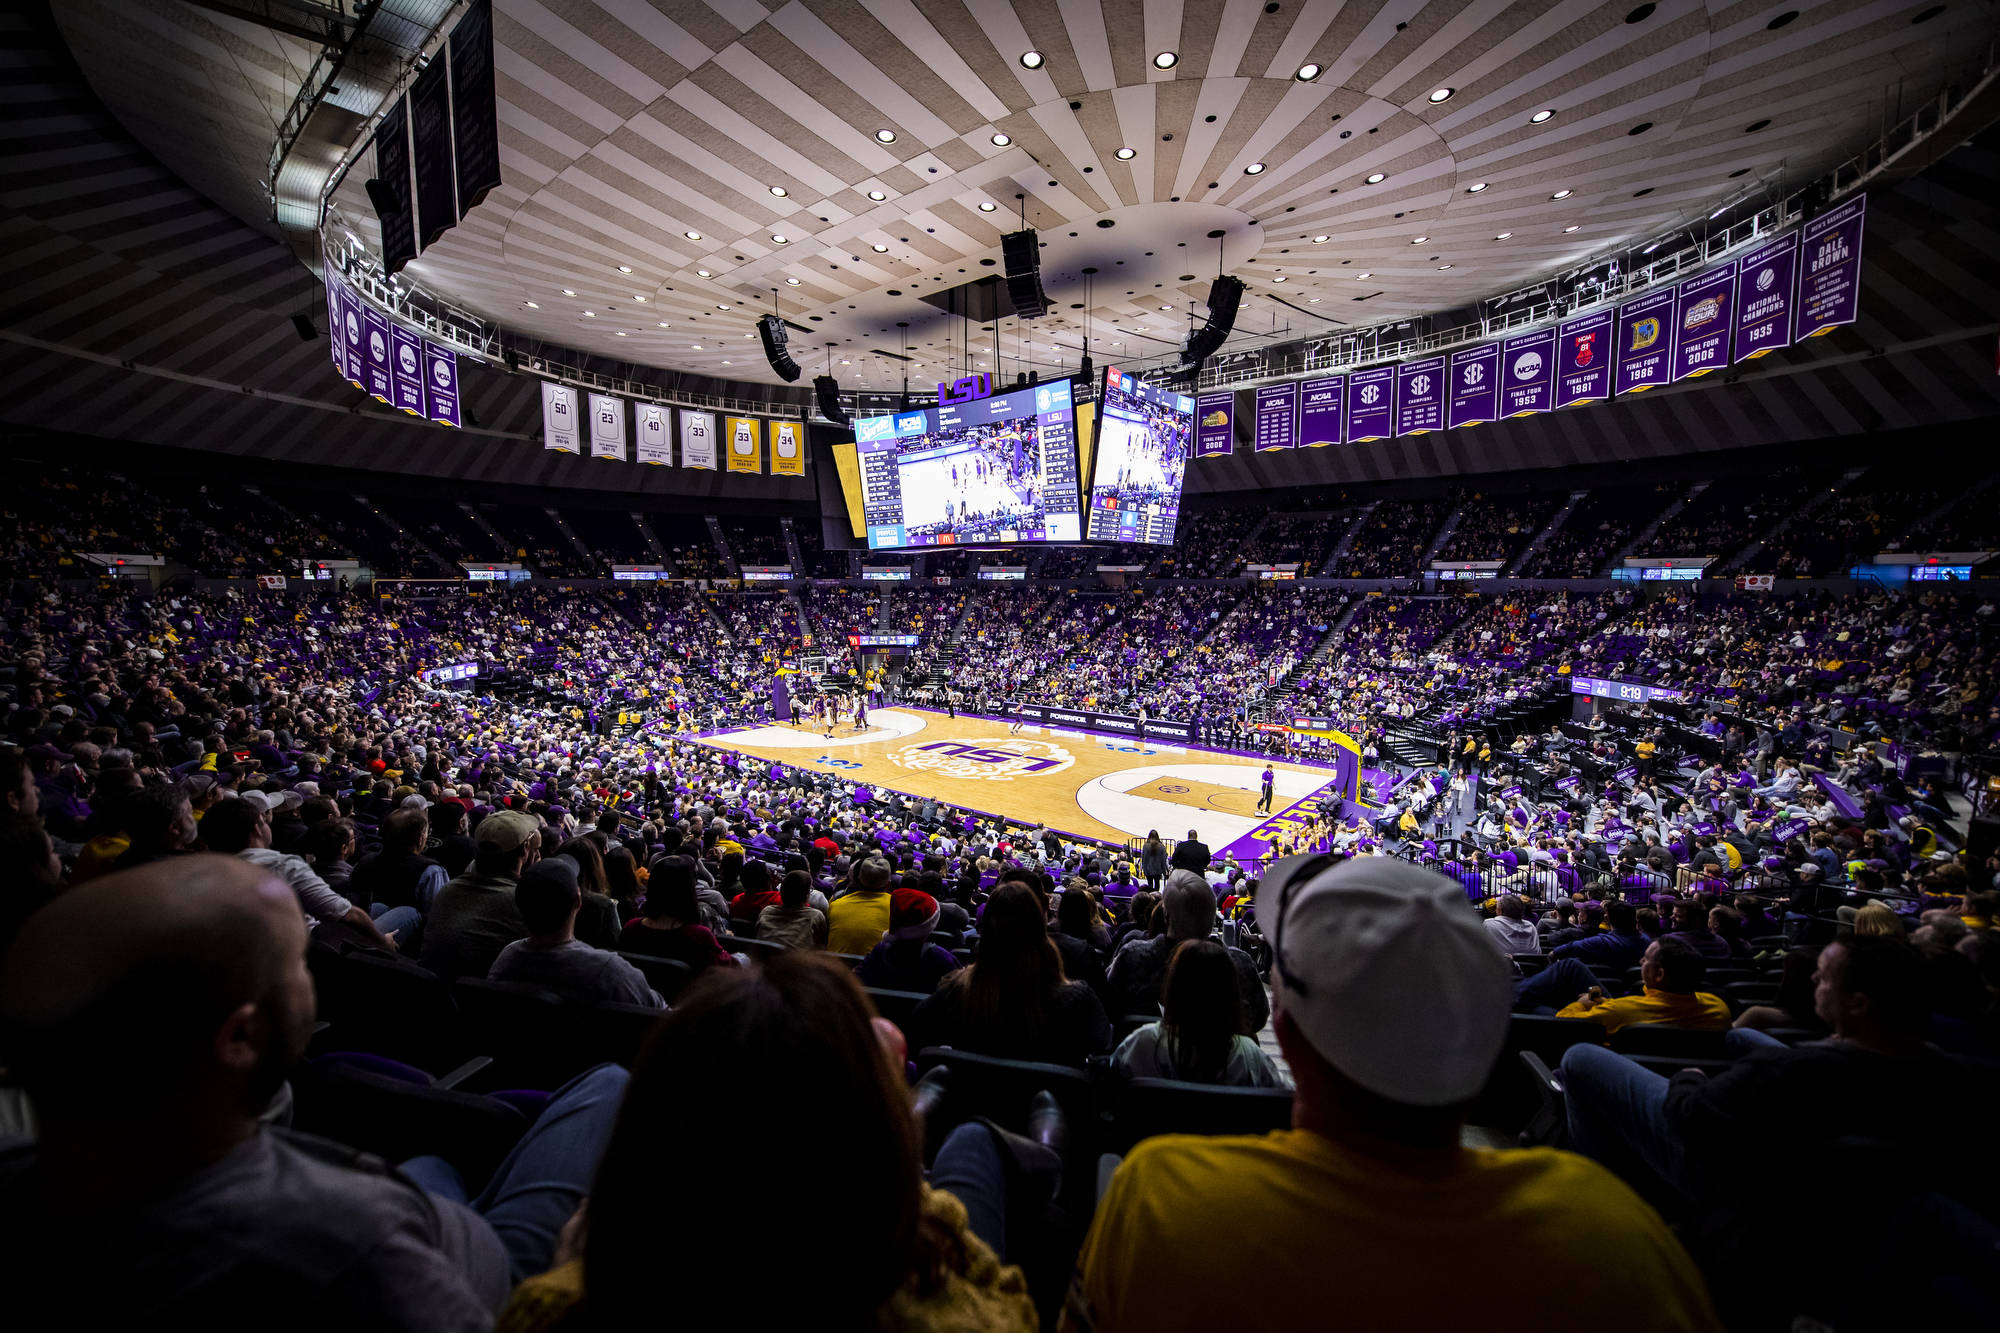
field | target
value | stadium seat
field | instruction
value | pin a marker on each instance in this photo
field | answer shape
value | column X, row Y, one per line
column 1144, row 1107
column 668, row 976
column 754, row 950
column 386, row 1004
column 1666, row 1039
column 530, row 1033
column 896, row 1005
column 1000, row 1090
column 397, row 1112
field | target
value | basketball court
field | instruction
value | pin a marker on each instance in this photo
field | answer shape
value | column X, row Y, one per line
column 1086, row 784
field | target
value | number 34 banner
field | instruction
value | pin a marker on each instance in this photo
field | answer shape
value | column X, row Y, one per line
column 788, row 449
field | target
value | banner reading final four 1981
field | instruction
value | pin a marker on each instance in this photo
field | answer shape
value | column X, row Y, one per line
column 1766, row 282
column 654, row 433
column 1528, row 373
column 1830, row 280
column 1215, row 425
column 1320, row 401
column 1583, row 359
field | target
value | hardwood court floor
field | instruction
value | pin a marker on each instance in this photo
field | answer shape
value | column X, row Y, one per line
column 1083, row 783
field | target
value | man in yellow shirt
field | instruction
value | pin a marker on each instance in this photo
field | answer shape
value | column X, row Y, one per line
column 857, row 919
column 1670, row 973
column 1391, row 1009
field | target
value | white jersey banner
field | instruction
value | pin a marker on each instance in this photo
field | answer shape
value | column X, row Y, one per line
column 559, row 418
column 655, row 434
column 607, row 426
column 698, row 439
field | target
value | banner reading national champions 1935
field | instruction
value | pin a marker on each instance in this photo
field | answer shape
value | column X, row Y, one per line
column 1802, row 284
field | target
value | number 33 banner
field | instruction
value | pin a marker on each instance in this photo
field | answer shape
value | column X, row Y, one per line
column 746, row 444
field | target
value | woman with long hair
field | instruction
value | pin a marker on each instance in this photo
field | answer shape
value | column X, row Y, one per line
column 1198, row 1038
column 766, row 1051
column 621, row 880
column 671, row 927
column 598, row 921
column 1015, row 1000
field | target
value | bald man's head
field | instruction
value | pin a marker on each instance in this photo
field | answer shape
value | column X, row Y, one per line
column 145, row 985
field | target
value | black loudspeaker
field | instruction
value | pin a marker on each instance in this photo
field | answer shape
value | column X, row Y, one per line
column 827, row 389
column 304, row 326
column 772, row 330
column 1084, row 370
column 1224, row 295
column 1022, row 253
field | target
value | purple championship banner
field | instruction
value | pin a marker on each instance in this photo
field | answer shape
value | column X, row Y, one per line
column 1320, row 401
column 1277, row 416
column 1475, row 385
column 1420, row 396
column 1704, row 317
column 1830, row 283
column 1583, row 359
column 1765, row 281
column 1215, row 425
column 440, row 384
column 407, row 370
column 1645, row 341
column 375, row 337
column 355, row 361
column 1371, row 405
column 336, row 344
column 1528, row 374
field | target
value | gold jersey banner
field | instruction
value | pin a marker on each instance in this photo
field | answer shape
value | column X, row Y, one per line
column 745, row 437
column 788, row 449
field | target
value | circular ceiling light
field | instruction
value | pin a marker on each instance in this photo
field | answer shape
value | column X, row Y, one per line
column 1756, row 125
column 1418, row 240
column 1253, row 169
column 567, row 292
column 1126, row 154
column 1503, row 235
column 692, row 235
column 1312, row 300
column 1166, row 60
column 1321, row 239
column 1443, row 267
column 721, row 306
column 1782, row 20
column 590, row 314
column 1359, row 276
column 640, row 299
column 1571, row 227
column 778, row 238
column 791, row 282
column 1563, row 193
column 1540, row 116
column 1031, row 59
column 1475, row 187
column 1279, row 278
column 533, row 306
column 624, row 268
column 695, row 348
column 1375, row 178
column 780, row 191
column 1001, row 141
column 1441, row 95
column 988, row 206
column 877, row 196
column 881, row 249
column 621, row 333
column 1166, row 309
column 703, row 273
column 1307, row 72
column 665, row 325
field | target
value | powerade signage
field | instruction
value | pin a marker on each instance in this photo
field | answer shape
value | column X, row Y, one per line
column 1123, row 724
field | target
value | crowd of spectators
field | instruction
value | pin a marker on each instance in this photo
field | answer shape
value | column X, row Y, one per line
column 1301, row 539
column 756, row 540
column 1392, row 540
column 1497, row 527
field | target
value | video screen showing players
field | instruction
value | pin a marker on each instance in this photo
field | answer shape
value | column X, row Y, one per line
column 1144, row 435
column 989, row 471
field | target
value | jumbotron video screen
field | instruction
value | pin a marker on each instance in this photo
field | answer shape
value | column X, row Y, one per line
column 1144, row 435
column 989, row 471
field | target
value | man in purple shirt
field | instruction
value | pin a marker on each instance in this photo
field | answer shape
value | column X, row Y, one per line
column 1264, row 801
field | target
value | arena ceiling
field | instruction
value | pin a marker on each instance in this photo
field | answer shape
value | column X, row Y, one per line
column 654, row 137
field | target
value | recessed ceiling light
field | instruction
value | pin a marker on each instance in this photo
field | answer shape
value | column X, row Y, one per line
column 1359, row 276
column 695, row 348
column 1031, row 59
column 1541, row 116
column 1279, row 278
column 1782, row 19
column 1475, row 187
column 720, row 305
column 881, row 249
column 1312, row 300
column 1126, row 154
column 624, row 268
column 692, row 235
column 703, row 273
column 791, row 282
column 1418, row 240
column 779, row 238
column 988, row 206
column 620, row 332
column 1375, row 178
column 640, row 299
column 844, row 363
column 1253, row 168
column 1166, row 60
column 533, row 306
column 1442, row 94
column 1001, row 141
column 665, row 325
column 1321, row 239
column 1563, row 193
column 1307, row 72
column 1443, row 267
column 1167, row 309
column 780, row 191
column 1927, row 15
column 1571, row 227
column 885, row 136
column 729, row 363
column 568, row 292
column 590, row 314
column 1503, row 235
column 877, row 196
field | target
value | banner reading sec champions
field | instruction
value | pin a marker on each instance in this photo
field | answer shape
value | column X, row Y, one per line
column 788, row 449
column 746, row 444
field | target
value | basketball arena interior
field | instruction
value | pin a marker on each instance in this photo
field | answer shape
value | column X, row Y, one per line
column 1107, row 665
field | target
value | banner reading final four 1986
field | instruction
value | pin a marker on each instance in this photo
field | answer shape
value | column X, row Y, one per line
column 1215, row 425
column 561, row 427
column 1830, row 280
column 1528, row 373
column 1646, row 341
column 1320, row 401
column 654, row 433
column 698, row 440
column 1765, row 285
column 1371, row 404
column 788, row 449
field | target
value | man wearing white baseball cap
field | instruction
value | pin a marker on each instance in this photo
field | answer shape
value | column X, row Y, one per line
column 1391, row 1007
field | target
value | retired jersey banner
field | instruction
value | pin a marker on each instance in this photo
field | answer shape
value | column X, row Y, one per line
column 1475, row 385
column 1420, row 396
column 1830, row 286
column 788, row 448
column 376, row 377
column 1766, row 279
column 1215, row 425
column 560, row 424
column 698, row 440
column 746, row 444
column 1705, row 317
column 1528, row 373
column 1320, row 401
column 1371, row 404
column 1583, row 359
column 441, row 384
column 1645, row 341
column 654, row 433
column 1277, row 417
column 408, row 369
column 607, row 426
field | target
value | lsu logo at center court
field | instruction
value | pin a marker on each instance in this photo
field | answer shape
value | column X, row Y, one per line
column 995, row 761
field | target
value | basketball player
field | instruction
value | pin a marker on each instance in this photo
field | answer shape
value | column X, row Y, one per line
column 861, row 712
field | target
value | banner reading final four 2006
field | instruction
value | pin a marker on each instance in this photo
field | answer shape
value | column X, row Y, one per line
column 560, row 425
column 654, row 433
column 788, row 449
column 1215, row 425
column 1703, row 319
column 746, row 444
column 698, row 440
